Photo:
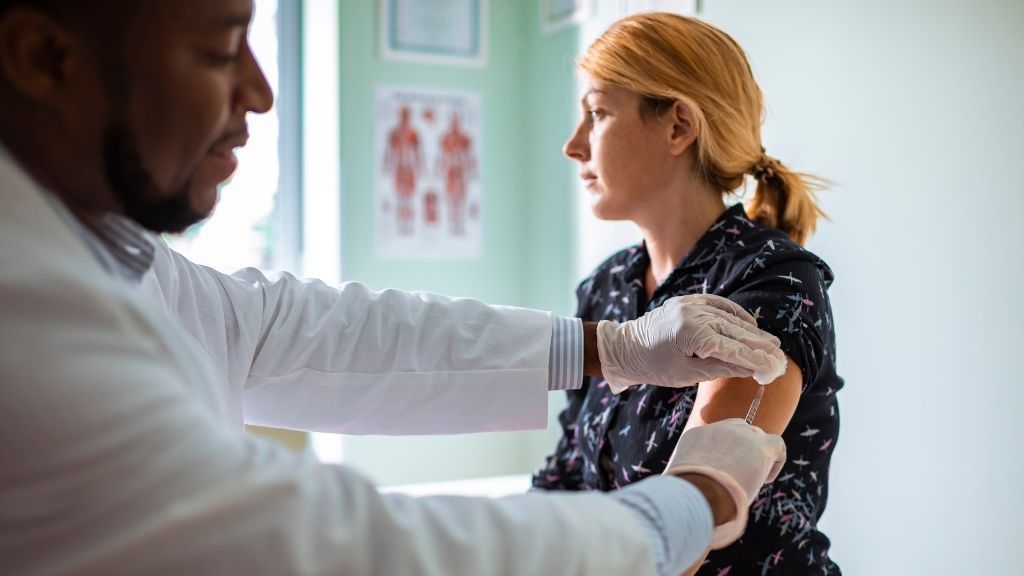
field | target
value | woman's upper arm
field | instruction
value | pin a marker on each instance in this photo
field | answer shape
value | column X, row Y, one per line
column 731, row 398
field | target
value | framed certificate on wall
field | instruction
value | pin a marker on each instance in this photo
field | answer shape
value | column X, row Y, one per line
column 452, row 32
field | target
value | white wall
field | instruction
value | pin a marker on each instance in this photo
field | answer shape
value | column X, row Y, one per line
column 914, row 108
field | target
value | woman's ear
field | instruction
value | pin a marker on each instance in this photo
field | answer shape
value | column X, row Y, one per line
column 684, row 128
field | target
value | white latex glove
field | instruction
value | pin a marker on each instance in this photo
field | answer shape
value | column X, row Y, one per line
column 739, row 457
column 689, row 339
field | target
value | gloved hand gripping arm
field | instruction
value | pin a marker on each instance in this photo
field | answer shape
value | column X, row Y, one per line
column 689, row 339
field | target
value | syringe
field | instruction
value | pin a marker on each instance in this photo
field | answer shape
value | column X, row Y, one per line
column 755, row 405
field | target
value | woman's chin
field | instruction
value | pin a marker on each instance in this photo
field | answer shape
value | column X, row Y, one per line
column 602, row 211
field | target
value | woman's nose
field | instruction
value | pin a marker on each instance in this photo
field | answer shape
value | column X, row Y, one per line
column 576, row 146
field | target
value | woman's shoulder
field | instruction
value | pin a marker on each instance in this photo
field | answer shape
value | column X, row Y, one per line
column 769, row 249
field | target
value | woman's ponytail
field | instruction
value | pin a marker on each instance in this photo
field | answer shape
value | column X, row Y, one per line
column 784, row 199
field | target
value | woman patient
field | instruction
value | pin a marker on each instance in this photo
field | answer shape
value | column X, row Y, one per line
column 671, row 119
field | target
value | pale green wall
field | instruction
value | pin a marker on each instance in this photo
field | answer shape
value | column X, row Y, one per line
column 498, row 276
column 527, row 93
column 551, row 115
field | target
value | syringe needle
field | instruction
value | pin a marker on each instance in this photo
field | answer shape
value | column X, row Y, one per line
column 754, row 405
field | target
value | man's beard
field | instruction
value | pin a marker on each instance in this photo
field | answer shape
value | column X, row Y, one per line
column 133, row 186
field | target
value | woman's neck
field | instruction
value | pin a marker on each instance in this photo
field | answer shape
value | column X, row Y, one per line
column 672, row 231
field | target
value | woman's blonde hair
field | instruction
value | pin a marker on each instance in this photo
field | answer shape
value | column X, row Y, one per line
column 667, row 58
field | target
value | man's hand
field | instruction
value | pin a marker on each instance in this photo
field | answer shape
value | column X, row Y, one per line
column 723, row 509
column 687, row 340
column 738, row 457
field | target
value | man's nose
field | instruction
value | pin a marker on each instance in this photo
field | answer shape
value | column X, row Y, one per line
column 254, row 92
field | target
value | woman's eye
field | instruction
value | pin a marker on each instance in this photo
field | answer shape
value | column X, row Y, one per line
column 595, row 114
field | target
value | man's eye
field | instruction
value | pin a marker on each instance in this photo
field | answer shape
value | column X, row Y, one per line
column 221, row 58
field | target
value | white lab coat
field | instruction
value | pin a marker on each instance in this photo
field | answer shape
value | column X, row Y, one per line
column 121, row 442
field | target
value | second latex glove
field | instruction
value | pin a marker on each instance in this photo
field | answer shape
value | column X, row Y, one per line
column 688, row 339
column 739, row 457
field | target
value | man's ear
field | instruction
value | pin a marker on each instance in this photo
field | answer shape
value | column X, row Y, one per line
column 36, row 54
column 684, row 127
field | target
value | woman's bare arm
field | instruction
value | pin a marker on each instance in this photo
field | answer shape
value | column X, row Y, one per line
column 731, row 397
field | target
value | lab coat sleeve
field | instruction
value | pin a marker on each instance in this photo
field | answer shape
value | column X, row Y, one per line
column 111, row 467
column 309, row 356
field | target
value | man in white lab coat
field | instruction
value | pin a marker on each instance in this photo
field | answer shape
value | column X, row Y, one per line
column 126, row 372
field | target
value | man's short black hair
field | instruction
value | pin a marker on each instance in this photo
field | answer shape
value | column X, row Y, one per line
column 5, row 4
column 54, row 7
column 107, row 19
column 66, row 7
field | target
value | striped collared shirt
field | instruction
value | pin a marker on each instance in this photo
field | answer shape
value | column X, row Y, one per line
column 120, row 245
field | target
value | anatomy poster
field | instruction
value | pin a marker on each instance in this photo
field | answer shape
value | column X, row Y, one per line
column 428, row 174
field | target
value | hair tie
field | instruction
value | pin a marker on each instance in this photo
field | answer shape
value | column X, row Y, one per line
column 765, row 168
